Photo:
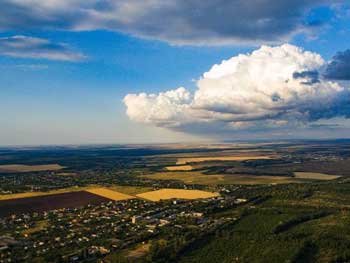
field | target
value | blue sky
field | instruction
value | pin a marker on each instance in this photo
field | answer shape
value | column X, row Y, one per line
column 69, row 89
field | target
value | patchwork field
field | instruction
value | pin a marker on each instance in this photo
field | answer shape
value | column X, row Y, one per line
column 69, row 198
column 179, row 168
column 164, row 194
column 221, row 158
column 315, row 176
column 251, row 179
column 126, row 190
column 110, row 194
column 15, row 168
column 198, row 177
column 49, row 202
column 34, row 194
column 130, row 190
column 45, row 201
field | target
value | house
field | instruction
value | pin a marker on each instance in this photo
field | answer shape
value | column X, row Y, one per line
column 6, row 242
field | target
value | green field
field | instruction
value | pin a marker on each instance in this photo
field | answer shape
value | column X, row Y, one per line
column 199, row 177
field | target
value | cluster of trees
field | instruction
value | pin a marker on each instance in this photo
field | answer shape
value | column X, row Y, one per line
column 299, row 220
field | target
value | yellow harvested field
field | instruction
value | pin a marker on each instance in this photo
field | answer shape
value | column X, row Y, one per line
column 179, row 168
column 130, row 190
column 32, row 194
column 121, row 190
column 12, row 168
column 221, row 158
column 315, row 176
column 164, row 194
column 107, row 193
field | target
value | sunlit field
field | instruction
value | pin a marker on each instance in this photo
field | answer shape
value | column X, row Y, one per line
column 315, row 176
column 11, row 168
column 179, row 168
column 107, row 193
column 164, row 194
column 198, row 177
column 221, row 158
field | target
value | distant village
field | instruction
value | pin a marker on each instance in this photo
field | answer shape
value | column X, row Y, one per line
column 94, row 231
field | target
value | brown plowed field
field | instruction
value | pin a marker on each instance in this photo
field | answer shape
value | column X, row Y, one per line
column 49, row 202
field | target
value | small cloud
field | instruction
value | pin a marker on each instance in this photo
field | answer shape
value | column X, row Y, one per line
column 37, row 48
column 325, row 125
column 309, row 77
column 31, row 67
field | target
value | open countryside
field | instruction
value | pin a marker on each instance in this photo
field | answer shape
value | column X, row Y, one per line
column 75, row 197
column 220, row 158
column 40, row 193
column 174, row 131
column 107, row 193
column 48, row 202
column 165, row 194
column 208, row 179
column 179, row 168
column 124, row 204
column 315, row 176
column 12, row 168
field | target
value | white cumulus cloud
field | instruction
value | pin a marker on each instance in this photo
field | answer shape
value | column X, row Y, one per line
column 165, row 109
column 270, row 87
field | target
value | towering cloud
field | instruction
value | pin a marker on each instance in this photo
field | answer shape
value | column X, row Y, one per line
column 181, row 21
column 271, row 87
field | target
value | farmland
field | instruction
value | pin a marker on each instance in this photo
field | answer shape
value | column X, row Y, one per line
column 34, row 194
column 13, row 168
column 220, row 158
column 179, row 168
column 110, row 194
column 315, row 176
column 164, row 194
column 264, row 202
column 130, row 190
column 48, row 202
column 70, row 198
column 198, row 177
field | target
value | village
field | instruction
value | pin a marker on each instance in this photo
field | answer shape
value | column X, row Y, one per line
column 94, row 231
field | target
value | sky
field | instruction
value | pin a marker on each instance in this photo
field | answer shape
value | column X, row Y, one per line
column 154, row 71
